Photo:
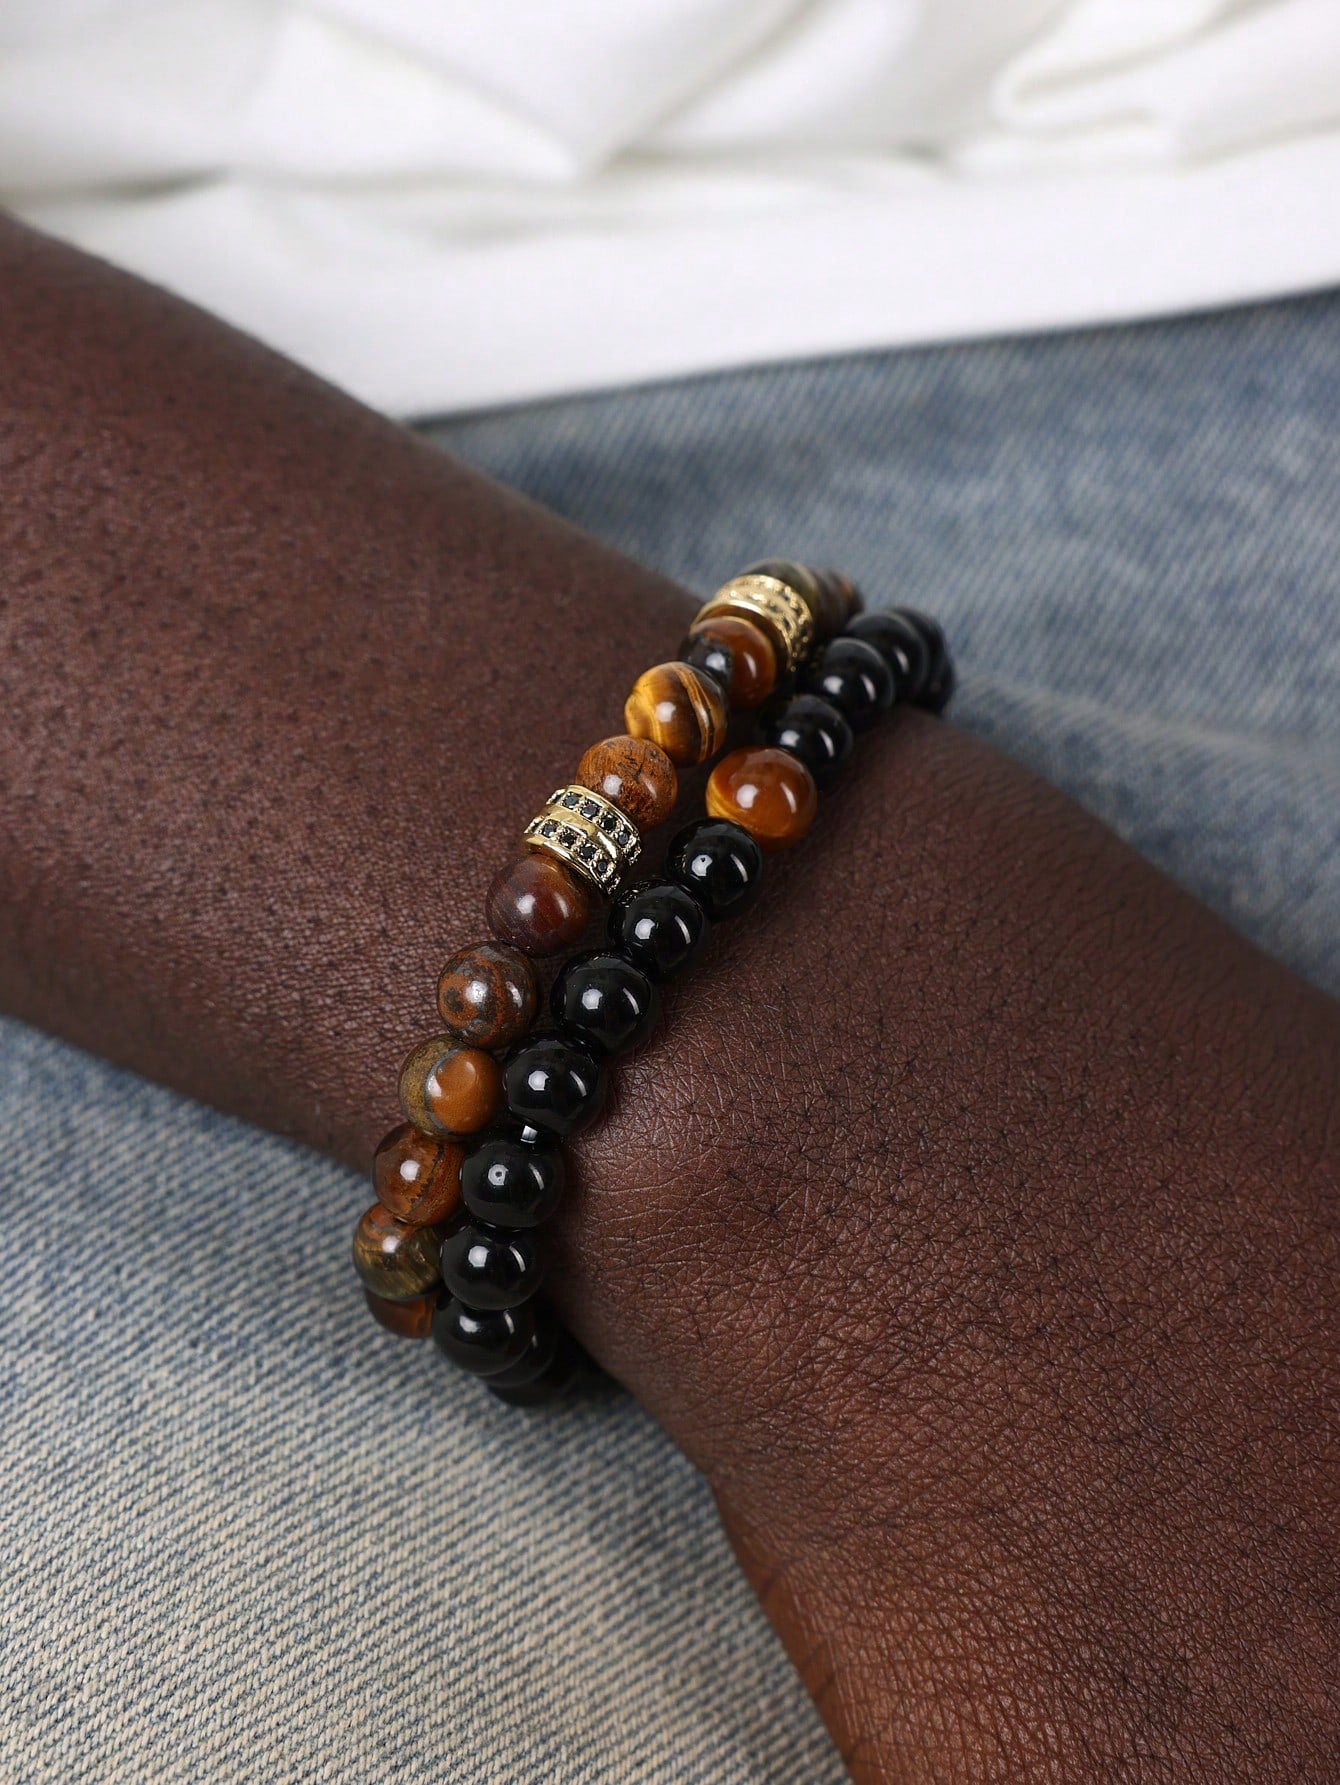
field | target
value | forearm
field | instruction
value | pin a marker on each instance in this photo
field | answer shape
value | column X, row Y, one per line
column 969, row 1222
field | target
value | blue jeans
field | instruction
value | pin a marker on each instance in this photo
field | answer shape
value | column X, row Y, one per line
column 245, row 1535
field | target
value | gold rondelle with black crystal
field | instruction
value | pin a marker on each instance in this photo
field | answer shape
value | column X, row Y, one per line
column 588, row 832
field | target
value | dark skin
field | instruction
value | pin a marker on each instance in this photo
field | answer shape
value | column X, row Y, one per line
column 971, row 1221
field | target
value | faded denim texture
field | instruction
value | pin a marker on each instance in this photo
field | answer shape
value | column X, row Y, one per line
column 246, row 1536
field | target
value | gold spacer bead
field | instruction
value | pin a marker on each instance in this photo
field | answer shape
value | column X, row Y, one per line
column 587, row 832
column 776, row 606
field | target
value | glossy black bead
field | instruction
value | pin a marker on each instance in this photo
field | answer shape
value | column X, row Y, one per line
column 540, row 1353
column 902, row 646
column 852, row 676
column 659, row 927
column 604, row 1001
column 492, row 1267
column 707, row 654
column 813, row 730
column 553, row 1083
column 483, row 1340
column 543, row 1375
column 719, row 863
column 511, row 1182
column 940, row 681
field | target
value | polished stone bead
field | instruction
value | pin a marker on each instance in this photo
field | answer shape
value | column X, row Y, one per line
column 447, row 1089
column 488, row 994
column 719, row 863
column 710, row 657
column 538, row 904
column 507, row 1182
column 635, row 774
column 658, row 926
column 544, row 1373
column 407, row 1320
column 940, row 680
column 605, row 1002
column 901, row 646
column 395, row 1261
column 769, row 792
column 483, row 1340
column 553, row 1083
column 491, row 1267
column 814, row 732
column 753, row 656
column 417, row 1177
column 681, row 710
column 852, row 676
column 844, row 600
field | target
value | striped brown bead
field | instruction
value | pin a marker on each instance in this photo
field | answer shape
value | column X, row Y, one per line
column 417, row 1178
column 407, row 1320
column 635, row 774
column 679, row 709
column 397, row 1262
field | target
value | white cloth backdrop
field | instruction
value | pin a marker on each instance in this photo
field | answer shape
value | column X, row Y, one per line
column 448, row 203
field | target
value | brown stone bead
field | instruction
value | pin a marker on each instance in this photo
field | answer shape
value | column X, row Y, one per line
column 753, row 656
column 679, row 709
column 448, row 1089
column 397, row 1262
column 488, row 994
column 635, row 774
column 768, row 792
column 407, row 1320
column 841, row 593
column 417, row 1178
column 538, row 904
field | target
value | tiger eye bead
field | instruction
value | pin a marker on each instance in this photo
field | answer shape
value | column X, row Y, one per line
column 407, row 1320
column 488, row 994
column 417, row 1178
column 448, row 1089
column 768, row 792
column 635, row 774
column 753, row 656
column 539, row 905
column 682, row 710
column 396, row 1262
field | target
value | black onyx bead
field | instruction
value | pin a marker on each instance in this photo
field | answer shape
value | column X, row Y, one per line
column 708, row 655
column 902, row 646
column 854, row 678
column 544, row 1373
column 539, row 1354
column 813, row 730
column 483, row 1340
column 491, row 1267
column 512, row 1182
column 605, row 1002
column 940, row 679
column 719, row 863
column 552, row 1083
column 658, row 926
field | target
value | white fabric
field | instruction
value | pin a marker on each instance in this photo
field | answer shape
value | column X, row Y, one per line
column 448, row 203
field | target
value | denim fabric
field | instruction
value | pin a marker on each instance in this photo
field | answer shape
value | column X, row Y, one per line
column 243, row 1534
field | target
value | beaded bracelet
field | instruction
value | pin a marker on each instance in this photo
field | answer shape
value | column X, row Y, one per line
column 452, row 1247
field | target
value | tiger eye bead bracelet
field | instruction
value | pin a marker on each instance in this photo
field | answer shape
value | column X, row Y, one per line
column 453, row 1247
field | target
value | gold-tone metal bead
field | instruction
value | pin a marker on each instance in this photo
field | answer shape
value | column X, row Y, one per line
column 588, row 832
column 776, row 606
